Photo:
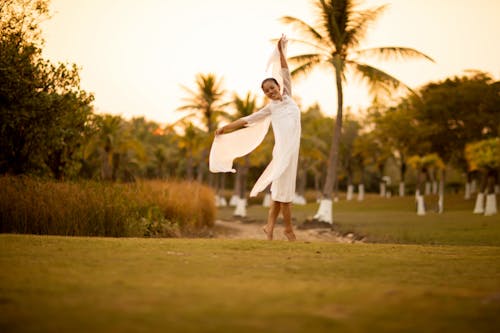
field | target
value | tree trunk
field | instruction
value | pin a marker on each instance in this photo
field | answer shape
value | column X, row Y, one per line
column 242, row 201
column 361, row 186
column 361, row 192
column 479, row 206
column 350, row 192
column 402, row 189
column 202, row 167
column 419, row 197
column 105, row 166
column 403, row 176
column 299, row 198
column 350, row 186
column 382, row 188
column 189, row 167
column 236, row 189
column 325, row 210
column 441, row 191
column 467, row 194
column 491, row 201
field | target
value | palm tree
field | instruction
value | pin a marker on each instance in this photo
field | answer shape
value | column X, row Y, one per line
column 205, row 103
column 313, row 147
column 190, row 143
column 118, row 150
column 334, row 41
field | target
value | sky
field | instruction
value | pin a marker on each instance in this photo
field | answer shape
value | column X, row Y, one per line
column 135, row 55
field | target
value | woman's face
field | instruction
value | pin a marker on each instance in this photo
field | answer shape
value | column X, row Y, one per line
column 271, row 90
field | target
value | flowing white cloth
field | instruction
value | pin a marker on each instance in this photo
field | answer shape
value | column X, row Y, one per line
column 227, row 147
column 282, row 170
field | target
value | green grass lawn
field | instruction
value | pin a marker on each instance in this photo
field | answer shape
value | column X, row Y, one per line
column 64, row 284
column 394, row 220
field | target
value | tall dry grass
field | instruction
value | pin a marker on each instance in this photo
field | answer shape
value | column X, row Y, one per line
column 149, row 208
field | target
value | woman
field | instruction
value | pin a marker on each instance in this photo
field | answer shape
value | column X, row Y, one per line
column 284, row 115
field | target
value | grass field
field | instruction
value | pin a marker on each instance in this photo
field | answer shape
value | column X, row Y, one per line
column 61, row 284
column 450, row 282
column 394, row 220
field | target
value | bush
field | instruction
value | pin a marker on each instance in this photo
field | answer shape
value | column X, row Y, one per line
column 149, row 208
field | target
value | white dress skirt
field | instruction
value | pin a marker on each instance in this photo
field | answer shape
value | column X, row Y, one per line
column 281, row 173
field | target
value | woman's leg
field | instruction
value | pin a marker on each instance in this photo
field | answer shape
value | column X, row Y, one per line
column 274, row 211
column 287, row 220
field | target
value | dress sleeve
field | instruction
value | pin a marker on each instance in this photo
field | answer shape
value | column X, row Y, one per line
column 287, row 82
column 257, row 116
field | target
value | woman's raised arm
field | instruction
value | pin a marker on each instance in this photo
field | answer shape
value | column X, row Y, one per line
column 285, row 73
column 281, row 44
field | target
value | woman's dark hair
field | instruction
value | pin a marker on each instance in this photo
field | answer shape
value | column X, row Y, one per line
column 269, row 79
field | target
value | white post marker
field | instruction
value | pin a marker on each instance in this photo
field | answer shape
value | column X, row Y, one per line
column 420, row 205
column 220, row 201
column 233, row 201
column 382, row 189
column 402, row 189
column 350, row 192
column 434, row 187
column 467, row 191
column 324, row 213
column 479, row 207
column 361, row 192
column 299, row 199
column 491, row 205
column 267, row 200
column 241, row 208
column 427, row 188
column 473, row 186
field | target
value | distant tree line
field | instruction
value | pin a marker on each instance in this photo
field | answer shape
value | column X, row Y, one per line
column 48, row 127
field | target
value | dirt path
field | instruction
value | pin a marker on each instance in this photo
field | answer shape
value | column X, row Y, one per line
column 240, row 230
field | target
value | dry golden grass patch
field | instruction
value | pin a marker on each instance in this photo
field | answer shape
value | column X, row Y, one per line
column 146, row 208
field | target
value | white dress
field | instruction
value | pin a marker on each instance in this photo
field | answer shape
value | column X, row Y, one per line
column 281, row 172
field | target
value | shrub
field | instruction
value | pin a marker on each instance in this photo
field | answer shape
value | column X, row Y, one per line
column 149, row 208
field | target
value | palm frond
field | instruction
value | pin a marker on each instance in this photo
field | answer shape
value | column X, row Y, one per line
column 334, row 16
column 189, row 107
column 321, row 48
column 378, row 80
column 304, row 28
column 305, row 67
column 299, row 59
column 359, row 23
column 393, row 52
column 188, row 90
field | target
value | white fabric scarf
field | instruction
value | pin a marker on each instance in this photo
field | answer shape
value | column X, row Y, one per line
column 227, row 147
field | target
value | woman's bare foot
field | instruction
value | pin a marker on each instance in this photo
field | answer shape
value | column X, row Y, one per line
column 290, row 235
column 269, row 233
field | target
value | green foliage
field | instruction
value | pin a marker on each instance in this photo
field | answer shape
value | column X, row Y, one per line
column 315, row 140
column 451, row 113
column 483, row 154
column 104, row 209
column 43, row 111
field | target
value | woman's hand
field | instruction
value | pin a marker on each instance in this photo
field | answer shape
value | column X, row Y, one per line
column 219, row 131
column 282, row 41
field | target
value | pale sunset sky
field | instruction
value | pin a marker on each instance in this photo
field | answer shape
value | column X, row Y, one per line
column 135, row 54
